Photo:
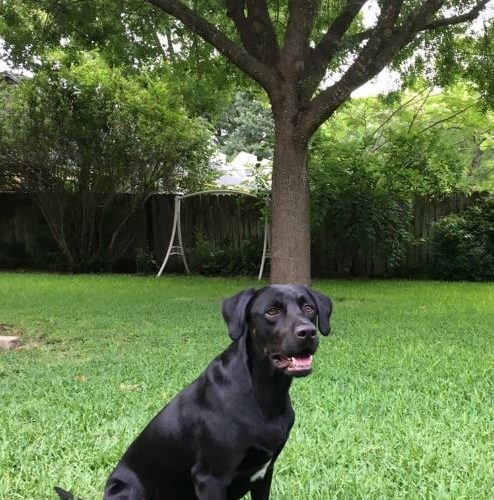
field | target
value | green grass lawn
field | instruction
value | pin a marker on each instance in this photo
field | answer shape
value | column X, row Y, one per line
column 400, row 404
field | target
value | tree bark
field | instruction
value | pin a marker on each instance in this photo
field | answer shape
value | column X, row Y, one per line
column 290, row 229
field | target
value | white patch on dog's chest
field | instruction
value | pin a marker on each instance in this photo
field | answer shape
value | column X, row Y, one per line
column 261, row 472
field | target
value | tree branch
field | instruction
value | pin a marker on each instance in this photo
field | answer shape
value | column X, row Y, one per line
column 459, row 19
column 329, row 45
column 236, row 12
column 260, row 72
column 471, row 15
column 381, row 47
column 446, row 118
column 256, row 29
column 258, row 14
column 330, row 42
column 385, row 41
column 397, row 110
column 301, row 14
column 417, row 112
column 169, row 43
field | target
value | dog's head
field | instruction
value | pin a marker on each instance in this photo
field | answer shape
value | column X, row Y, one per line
column 282, row 322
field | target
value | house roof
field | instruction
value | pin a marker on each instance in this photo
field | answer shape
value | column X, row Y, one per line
column 240, row 170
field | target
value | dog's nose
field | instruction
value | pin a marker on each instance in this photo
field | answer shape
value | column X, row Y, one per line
column 306, row 331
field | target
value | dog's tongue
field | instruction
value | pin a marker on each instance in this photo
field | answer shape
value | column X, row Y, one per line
column 301, row 362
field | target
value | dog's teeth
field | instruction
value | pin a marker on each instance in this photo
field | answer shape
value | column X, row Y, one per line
column 301, row 362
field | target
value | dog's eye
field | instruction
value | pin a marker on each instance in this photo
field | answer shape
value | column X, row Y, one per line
column 308, row 309
column 273, row 311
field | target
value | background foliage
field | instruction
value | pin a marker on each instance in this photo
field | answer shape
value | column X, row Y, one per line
column 371, row 159
column 80, row 133
column 463, row 245
column 246, row 125
column 122, row 85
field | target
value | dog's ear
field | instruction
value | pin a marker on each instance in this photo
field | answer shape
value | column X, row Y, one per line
column 324, row 310
column 234, row 311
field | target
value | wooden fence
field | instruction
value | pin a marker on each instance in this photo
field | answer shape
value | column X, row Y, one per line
column 226, row 221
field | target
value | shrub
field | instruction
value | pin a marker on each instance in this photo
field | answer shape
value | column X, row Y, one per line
column 105, row 140
column 12, row 255
column 463, row 245
column 145, row 262
column 364, row 219
column 209, row 259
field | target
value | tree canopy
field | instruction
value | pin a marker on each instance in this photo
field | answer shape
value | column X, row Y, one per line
column 424, row 141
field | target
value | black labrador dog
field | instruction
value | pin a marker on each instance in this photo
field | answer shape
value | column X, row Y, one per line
column 219, row 438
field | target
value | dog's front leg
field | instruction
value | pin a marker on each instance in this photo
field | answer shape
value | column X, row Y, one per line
column 260, row 489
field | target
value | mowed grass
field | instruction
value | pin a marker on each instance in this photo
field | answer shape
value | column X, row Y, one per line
column 400, row 404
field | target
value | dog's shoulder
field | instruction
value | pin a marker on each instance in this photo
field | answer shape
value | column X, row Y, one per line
column 228, row 372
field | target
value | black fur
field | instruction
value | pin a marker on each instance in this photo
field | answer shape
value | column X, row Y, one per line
column 64, row 495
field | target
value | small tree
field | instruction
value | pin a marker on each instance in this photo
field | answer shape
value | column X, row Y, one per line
column 91, row 145
column 246, row 125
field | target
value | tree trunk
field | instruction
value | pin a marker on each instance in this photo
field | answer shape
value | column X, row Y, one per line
column 290, row 228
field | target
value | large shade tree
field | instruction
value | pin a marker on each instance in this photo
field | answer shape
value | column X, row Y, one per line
column 308, row 56
column 289, row 50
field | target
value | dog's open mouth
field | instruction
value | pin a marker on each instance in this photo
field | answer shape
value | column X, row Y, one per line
column 300, row 364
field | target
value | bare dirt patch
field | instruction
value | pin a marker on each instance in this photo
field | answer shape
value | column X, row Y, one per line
column 11, row 338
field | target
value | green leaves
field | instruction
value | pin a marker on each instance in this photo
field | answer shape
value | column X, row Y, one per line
column 80, row 134
column 463, row 244
column 366, row 217
column 246, row 125
column 93, row 116
column 373, row 157
column 32, row 29
column 427, row 141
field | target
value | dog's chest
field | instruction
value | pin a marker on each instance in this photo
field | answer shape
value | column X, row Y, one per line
column 261, row 472
column 265, row 443
column 255, row 464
